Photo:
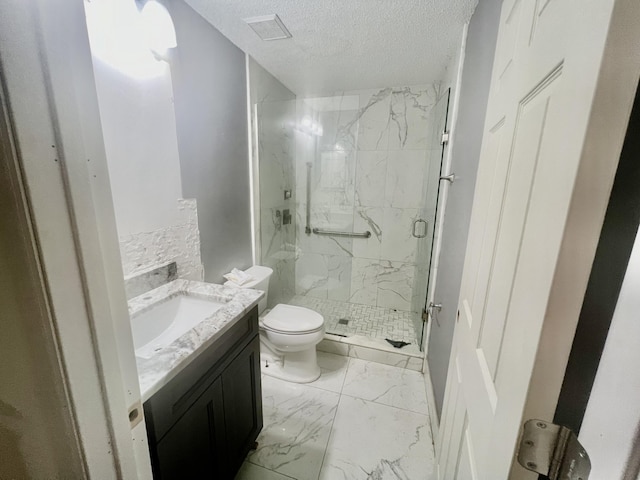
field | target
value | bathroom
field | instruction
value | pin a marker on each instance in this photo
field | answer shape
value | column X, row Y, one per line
column 336, row 187
column 337, row 183
column 318, row 240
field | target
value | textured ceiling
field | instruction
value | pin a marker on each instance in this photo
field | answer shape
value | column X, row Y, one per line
column 347, row 44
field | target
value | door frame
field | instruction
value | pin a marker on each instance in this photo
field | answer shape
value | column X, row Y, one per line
column 616, row 243
column 47, row 74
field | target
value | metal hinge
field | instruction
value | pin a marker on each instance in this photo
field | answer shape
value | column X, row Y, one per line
column 445, row 138
column 449, row 178
column 553, row 450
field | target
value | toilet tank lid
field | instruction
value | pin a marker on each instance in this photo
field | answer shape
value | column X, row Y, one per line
column 290, row 318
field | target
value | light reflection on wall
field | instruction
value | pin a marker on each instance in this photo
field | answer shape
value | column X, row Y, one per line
column 129, row 40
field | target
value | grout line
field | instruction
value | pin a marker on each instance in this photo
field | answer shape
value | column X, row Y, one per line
column 333, row 421
column 346, row 372
column 426, row 415
column 326, row 448
column 269, row 469
column 310, row 385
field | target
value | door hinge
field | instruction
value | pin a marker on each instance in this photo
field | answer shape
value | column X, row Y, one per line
column 553, row 450
column 449, row 178
column 445, row 138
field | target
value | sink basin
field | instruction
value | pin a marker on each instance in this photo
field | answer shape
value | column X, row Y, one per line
column 168, row 320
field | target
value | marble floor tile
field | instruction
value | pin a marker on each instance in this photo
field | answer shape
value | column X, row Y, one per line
column 334, row 369
column 297, row 422
column 249, row 471
column 373, row 441
column 387, row 385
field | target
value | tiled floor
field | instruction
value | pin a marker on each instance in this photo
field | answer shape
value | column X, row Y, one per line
column 365, row 320
column 360, row 420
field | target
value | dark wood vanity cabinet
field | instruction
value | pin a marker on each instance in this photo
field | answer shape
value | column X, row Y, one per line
column 202, row 424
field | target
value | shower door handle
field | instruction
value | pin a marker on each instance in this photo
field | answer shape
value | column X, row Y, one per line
column 415, row 227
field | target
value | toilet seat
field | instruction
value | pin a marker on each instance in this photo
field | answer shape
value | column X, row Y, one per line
column 292, row 320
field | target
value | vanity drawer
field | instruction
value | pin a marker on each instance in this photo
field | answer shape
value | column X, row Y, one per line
column 174, row 399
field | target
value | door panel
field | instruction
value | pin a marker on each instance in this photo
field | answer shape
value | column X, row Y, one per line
column 523, row 193
column 523, row 161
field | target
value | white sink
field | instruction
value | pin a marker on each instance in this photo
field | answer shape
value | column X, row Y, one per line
column 168, row 320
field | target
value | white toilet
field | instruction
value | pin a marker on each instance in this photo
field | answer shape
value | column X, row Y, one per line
column 288, row 334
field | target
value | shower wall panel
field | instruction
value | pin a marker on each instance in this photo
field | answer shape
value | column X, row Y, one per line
column 369, row 171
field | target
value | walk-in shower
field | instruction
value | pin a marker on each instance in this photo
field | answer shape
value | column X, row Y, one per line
column 362, row 170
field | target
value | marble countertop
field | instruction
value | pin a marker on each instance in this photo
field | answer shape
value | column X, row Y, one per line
column 166, row 363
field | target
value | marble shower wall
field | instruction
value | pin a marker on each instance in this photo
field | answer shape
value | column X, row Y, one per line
column 369, row 172
column 272, row 122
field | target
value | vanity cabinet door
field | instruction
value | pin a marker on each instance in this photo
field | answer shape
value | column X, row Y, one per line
column 241, row 390
column 194, row 447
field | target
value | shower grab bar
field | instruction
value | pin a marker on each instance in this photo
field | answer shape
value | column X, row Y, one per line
column 333, row 233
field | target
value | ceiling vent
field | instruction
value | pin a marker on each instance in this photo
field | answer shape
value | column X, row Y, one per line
column 268, row 27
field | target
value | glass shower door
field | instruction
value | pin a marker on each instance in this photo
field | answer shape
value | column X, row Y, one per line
column 424, row 225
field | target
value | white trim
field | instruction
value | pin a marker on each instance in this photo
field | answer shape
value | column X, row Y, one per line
column 253, row 165
column 33, row 374
column 434, row 422
column 254, row 169
column 49, row 79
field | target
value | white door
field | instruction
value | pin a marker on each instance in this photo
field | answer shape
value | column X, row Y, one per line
column 548, row 60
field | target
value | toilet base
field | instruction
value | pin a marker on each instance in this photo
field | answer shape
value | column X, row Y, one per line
column 296, row 367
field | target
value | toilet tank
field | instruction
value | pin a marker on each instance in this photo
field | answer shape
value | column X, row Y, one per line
column 261, row 276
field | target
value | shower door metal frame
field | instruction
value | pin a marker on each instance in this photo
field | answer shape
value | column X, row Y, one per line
column 427, row 310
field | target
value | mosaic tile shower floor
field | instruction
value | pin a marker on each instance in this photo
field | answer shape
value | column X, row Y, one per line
column 365, row 320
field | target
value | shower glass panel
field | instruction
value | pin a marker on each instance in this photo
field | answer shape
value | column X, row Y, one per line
column 425, row 226
column 273, row 120
column 368, row 161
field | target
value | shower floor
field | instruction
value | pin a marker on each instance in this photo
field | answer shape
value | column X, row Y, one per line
column 365, row 320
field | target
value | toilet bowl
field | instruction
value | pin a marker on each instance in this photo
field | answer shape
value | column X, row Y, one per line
column 288, row 334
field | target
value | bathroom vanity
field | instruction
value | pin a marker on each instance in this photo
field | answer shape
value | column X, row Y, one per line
column 201, row 390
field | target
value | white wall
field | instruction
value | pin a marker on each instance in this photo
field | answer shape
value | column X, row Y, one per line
column 139, row 128
column 209, row 79
column 612, row 415
column 155, row 225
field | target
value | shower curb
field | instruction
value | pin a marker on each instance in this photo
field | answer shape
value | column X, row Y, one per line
column 353, row 347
